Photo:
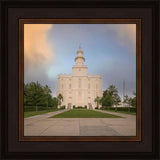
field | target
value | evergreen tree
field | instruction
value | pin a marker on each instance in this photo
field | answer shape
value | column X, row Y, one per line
column 55, row 102
column 107, row 101
column 47, row 95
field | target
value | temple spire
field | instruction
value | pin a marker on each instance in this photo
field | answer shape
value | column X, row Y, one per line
column 79, row 59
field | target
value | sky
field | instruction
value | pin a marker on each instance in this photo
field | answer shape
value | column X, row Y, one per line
column 109, row 50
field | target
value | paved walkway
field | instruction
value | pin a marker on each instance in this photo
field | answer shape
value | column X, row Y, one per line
column 42, row 125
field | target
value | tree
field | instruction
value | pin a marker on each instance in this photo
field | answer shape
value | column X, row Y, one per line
column 130, row 101
column 134, row 100
column 126, row 99
column 97, row 100
column 38, row 95
column 112, row 90
column 60, row 98
column 109, row 95
column 25, row 94
column 107, row 100
column 35, row 94
column 55, row 102
column 47, row 95
column 116, row 99
column 105, row 93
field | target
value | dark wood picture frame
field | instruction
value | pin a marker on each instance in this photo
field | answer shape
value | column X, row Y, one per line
column 143, row 147
column 80, row 21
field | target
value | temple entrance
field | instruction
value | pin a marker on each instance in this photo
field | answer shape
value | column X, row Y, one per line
column 69, row 105
column 89, row 103
column 90, row 106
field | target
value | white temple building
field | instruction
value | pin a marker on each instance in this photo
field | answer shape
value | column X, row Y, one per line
column 79, row 88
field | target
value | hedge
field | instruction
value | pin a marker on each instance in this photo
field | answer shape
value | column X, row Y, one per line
column 40, row 108
column 126, row 109
column 63, row 107
column 80, row 107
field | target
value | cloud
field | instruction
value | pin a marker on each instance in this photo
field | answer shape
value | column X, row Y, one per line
column 38, row 54
column 128, row 34
column 108, row 49
column 125, row 35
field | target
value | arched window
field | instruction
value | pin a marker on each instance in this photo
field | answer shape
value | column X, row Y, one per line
column 69, row 86
column 89, row 86
column 79, row 83
column 79, row 97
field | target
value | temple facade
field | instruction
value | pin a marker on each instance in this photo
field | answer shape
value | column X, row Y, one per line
column 79, row 88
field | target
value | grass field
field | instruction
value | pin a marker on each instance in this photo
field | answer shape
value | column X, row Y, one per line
column 125, row 112
column 131, row 113
column 34, row 113
column 84, row 114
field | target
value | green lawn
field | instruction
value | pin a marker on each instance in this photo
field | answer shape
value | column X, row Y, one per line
column 131, row 113
column 84, row 114
column 125, row 112
column 34, row 113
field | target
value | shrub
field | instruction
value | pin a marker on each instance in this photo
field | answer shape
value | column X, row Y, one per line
column 79, row 107
column 96, row 107
column 85, row 106
column 125, row 109
column 63, row 107
column 33, row 108
column 74, row 106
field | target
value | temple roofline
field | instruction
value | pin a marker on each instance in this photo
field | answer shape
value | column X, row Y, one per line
column 88, row 75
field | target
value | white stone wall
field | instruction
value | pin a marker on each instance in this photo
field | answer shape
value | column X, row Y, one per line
column 79, row 90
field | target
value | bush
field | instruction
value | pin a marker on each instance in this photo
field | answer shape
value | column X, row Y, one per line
column 63, row 107
column 96, row 107
column 33, row 108
column 79, row 107
column 74, row 106
column 85, row 107
column 125, row 109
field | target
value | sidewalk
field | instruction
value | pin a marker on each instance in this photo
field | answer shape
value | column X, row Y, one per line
column 42, row 125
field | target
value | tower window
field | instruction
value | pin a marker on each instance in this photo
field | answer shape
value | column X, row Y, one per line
column 79, row 97
column 88, row 85
column 69, row 86
column 79, row 83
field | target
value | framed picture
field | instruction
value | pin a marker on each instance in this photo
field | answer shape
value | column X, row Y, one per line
column 80, row 79
column 79, row 102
